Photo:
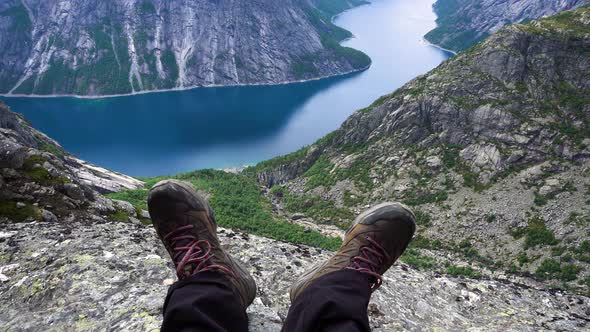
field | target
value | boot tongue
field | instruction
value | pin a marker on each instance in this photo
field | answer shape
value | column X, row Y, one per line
column 369, row 261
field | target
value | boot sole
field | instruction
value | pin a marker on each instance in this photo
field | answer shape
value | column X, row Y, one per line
column 168, row 187
column 386, row 211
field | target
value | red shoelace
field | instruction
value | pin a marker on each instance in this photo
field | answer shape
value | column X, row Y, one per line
column 190, row 250
column 369, row 261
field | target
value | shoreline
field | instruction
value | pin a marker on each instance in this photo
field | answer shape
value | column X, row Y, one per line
column 194, row 87
column 426, row 41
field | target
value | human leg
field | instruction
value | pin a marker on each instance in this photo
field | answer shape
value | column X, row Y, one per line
column 214, row 289
column 334, row 295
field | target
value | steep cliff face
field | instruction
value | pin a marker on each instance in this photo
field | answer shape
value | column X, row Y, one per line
column 115, row 47
column 462, row 23
column 492, row 148
column 39, row 181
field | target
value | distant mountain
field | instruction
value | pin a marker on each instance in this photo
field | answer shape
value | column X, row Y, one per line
column 87, row 47
column 462, row 23
column 492, row 149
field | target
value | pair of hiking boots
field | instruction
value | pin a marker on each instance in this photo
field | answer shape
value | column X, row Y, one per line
column 186, row 225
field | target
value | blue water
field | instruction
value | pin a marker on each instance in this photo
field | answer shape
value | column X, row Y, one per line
column 172, row 132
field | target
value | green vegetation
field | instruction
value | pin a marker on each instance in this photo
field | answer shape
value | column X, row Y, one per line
column 238, row 204
column 422, row 218
column 324, row 173
column 557, row 251
column 583, row 252
column 419, row 197
column 319, row 209
column 541, row 200
column 47, row 147
column 119, row 215
column 552, row 269
column 351, row 200
column 106, row 74
column 452, row 161
column 10, row 210
column 270, row 164
column 522, row 259
column 330, row 36
column 450, row 32
column 305, row 67
column 333, row 7
column 490, row 217
column 536, row 233
column 465, row 271
column 578, row 219
column 568, row 22
column 414, row 258
column 137, row 197
column 147, row 7
column 32, row 169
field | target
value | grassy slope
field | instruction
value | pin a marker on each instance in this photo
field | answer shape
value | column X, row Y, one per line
column 238, row 204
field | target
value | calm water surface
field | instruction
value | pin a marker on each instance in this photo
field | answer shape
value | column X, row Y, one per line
column 172, row 132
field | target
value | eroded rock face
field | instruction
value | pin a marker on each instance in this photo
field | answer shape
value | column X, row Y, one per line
column 53, row 278
column 488, row 146
column 122, row 46
column 465, row 22
column 41, row 181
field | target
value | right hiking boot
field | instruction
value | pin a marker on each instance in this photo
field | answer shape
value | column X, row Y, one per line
column 186, row 225
column 376, row 239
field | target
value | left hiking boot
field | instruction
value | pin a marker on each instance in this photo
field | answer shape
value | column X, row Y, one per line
column 376, row 239
column 186, row 225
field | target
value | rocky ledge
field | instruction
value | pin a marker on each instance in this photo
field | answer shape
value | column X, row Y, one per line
column 41, row 181
column 54, row 279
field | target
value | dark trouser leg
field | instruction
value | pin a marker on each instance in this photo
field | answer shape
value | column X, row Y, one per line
column 336, row 302
column 204, row 302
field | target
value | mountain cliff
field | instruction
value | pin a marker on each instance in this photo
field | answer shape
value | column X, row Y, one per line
column 492, row 148
column 119, row 47
column 462, row 23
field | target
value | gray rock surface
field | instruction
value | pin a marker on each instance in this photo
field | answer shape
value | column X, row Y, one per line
column 84, row 47
column 55, row 279
column 490, row 148
column 47, row 183
column 463, row 23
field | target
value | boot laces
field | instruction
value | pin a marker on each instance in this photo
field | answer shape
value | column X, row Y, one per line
column 369, row 261
column 188, row 249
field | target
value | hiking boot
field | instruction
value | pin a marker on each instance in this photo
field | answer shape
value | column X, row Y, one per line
column 376, row 239
column 186, row 225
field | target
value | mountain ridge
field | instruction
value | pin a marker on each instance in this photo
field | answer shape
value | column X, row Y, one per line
column 124, row 47
column 494, row 141
column 463, row 23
